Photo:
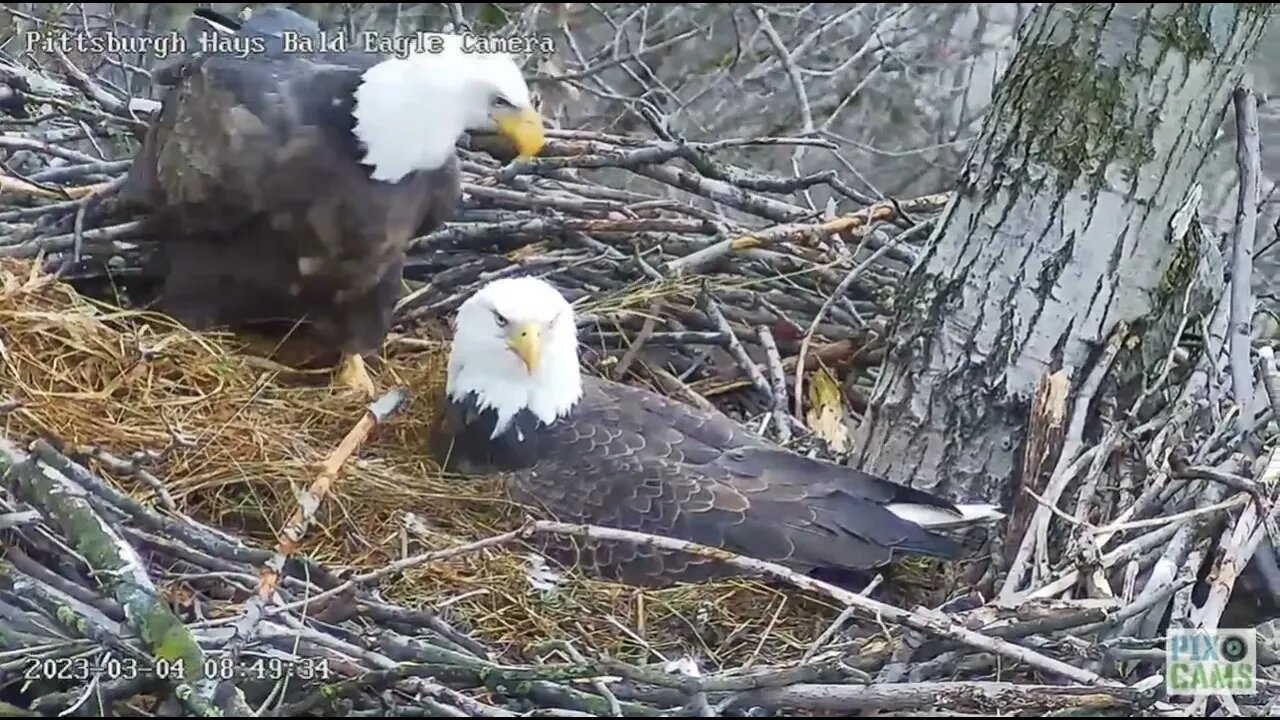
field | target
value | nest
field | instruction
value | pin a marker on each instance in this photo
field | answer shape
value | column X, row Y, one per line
column 172, row 495
column 236, row 439
column 231, row 477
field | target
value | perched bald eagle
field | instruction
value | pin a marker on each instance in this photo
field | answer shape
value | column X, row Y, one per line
column 584, row 450
column 285, row 186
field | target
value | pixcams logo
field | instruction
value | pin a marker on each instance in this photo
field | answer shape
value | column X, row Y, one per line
column 1198, row 662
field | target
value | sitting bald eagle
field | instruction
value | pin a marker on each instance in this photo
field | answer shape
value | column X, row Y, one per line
column 285, row 186
column 584, row 450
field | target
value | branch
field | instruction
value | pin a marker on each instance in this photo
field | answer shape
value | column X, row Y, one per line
column 118, row 567
column 1249, row 166
column 968, row 697
column 934, row 625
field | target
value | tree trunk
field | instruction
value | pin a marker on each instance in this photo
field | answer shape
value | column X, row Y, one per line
column 1058, row 237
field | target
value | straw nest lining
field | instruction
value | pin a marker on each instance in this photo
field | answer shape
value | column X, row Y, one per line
column 234, row 439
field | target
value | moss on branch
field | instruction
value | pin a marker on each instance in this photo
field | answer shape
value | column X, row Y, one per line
column 115, row 564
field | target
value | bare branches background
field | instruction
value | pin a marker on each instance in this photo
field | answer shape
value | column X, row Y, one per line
column 897, row 89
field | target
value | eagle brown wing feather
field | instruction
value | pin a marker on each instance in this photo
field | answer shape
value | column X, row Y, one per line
column 266, row 216
column 637, row 461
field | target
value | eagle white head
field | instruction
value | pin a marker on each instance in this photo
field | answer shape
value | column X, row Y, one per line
column 411, row 110
column 515, row 346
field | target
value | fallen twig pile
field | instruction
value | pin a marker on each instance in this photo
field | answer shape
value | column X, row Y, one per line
column 190, row 528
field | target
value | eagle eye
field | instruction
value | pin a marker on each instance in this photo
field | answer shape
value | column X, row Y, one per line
column 498, row 318
column 500, row 101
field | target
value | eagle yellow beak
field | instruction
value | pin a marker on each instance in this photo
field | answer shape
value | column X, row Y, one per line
column 526, row 342
column 524, row 127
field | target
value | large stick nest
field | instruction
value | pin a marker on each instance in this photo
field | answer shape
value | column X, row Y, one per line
column 199, row 427
column 172, row 495
column 233, row 442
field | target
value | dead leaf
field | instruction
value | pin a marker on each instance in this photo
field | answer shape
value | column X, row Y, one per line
column 826, row 411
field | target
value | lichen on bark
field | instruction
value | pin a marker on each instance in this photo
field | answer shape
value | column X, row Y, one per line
column 1058, row 234
column 1184, row 31
column 1072, row 114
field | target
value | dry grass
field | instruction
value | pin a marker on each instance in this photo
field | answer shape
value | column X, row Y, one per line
column 235, row 437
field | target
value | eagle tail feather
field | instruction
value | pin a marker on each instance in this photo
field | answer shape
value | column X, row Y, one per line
column 933, row 516
column 869, row 533
column 930, row 544
column 221, row 23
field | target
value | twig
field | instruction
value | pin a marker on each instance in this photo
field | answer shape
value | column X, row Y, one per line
column 1230, row 480
column 646, row 332
column 708, row 305
column 778, row 379
column 1172, row 518
column 839, row 622
column 1035, row 539
column 694, row 262
column 132, row 469
column 25, row 143
column 974, row 696
column 797, row 82
column 86, row 202
column 1249, row 166
column 79, row 170
column 309, row 501
column 837, row 293
column 930, row 624
column 396, row 567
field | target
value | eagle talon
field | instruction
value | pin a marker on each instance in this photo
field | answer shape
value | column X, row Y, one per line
column 355, row 375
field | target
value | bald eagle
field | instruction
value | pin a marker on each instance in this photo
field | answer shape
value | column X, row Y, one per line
column 285, row 186
column 580, row 449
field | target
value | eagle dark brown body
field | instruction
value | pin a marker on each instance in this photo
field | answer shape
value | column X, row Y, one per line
column 265, row 217
column 634, row 460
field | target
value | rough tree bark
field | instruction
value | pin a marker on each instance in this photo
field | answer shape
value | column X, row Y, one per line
column 1059, row 233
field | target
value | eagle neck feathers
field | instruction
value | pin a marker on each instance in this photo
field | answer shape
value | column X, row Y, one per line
column 501, row 416
column 483, row 438
column 409, row 116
